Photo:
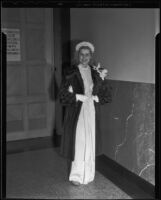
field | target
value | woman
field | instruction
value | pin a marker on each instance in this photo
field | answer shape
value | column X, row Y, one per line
column 82, row 91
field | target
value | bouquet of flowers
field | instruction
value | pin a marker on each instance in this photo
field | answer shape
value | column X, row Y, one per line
column 101, row 71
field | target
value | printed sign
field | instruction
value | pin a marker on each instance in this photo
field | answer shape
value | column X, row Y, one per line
column 13, row 44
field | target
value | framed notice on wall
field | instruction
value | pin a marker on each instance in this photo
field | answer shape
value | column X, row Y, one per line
column 13, row 44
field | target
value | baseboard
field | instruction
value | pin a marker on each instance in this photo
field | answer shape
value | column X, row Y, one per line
column 130, row 183
column 33, row 144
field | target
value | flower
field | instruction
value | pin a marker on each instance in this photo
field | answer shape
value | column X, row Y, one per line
column 102, row 72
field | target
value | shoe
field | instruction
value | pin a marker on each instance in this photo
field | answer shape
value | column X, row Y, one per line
column 76, row 183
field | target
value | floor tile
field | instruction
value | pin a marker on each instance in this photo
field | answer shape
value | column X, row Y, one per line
column 42, row 174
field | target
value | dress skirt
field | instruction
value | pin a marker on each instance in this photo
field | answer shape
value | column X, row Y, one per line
column 83, row 166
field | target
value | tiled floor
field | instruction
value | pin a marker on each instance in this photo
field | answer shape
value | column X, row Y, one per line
column 43, row 174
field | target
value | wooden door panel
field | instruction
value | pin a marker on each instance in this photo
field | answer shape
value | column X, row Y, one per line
column 25, row 99
column 15, row 126
column 15, row 119
column 38, row 124
column 37, row 110
column 30, row 111
column 35, row 80
column 35, row 15
column 15, row 81
column 35, row 43
column 15, row 112
column 10, row 15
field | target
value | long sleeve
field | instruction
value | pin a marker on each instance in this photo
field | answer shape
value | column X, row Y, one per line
column 66, row 97
column 103, row 90
column 104, row 93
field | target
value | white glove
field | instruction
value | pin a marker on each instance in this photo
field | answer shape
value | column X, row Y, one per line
column 70, row 89
column 81, row 97
column 95, row 98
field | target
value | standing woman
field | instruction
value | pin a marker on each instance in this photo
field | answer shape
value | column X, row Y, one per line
column 82, row 91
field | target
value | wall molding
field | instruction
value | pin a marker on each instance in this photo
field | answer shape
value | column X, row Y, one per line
column 130, row 183
column 33, row 144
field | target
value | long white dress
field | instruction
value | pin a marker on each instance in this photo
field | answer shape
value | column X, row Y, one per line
column 83, row 166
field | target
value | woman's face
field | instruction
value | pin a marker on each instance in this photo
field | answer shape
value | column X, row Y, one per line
column 84, row 56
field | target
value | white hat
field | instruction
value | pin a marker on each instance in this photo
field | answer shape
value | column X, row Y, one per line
column 84, row 44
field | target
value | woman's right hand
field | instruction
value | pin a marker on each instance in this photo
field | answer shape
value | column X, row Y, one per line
column 81, row 97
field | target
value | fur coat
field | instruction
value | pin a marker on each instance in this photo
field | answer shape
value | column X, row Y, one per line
column 101, row 88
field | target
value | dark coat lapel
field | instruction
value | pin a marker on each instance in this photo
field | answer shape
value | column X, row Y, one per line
column 79, row 77
column 93, row 74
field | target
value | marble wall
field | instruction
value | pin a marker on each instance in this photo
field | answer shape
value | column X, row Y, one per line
column 128, row 127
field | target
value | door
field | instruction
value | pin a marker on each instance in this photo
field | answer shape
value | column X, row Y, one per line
column 30, row 111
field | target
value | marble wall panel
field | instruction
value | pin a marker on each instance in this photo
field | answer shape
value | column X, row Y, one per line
column 128, row 127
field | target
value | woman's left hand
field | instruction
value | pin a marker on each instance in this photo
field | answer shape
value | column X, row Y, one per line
column 70, row 89
column 95, row 98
